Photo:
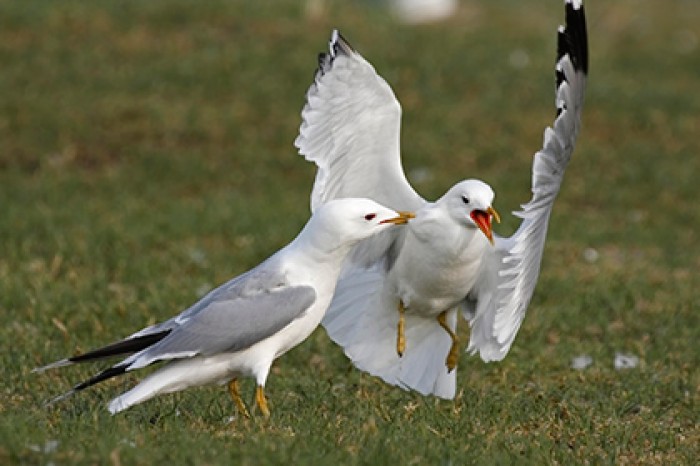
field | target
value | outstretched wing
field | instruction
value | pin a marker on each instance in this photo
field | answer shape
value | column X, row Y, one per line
column 350, row 130
column 508, row 280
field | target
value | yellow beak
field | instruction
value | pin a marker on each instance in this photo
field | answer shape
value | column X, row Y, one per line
column 402, row 219
column 494, row 214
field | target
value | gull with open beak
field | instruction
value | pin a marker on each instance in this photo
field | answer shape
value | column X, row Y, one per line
column 241, row 327
column 396, row 305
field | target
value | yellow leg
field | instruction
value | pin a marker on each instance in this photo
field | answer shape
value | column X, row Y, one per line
column 400, row 336
column 262, row 401
column 453, row 355
column 235, row 393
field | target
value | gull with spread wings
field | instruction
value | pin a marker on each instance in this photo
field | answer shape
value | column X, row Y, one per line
column 397, row 301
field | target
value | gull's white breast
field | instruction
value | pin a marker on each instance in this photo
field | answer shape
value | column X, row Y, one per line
column 437, row 265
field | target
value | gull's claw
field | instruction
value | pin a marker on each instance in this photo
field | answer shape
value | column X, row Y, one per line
column 453, row 355
column 262, row 401
column 400, row 336
column 235, row 393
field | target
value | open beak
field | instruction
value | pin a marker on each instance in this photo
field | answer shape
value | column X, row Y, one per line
column 483, row 221
column 402, row 219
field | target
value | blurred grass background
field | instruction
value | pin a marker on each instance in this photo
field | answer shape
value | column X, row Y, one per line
column 146, row 156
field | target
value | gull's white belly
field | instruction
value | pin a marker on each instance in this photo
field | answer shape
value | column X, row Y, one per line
column 431, row 277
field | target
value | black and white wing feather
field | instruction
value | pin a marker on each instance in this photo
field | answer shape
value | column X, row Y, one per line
column 500, row 299
column 350, row 129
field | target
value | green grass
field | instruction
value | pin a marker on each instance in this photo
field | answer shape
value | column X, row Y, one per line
column 146, row 155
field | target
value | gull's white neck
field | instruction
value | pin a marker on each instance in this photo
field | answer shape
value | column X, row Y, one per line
column 435, row 227
column 318, row 249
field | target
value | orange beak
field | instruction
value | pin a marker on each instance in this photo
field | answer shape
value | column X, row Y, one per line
column 483, row 221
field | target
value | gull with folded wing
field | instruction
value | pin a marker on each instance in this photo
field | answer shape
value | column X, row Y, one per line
column 241, row 327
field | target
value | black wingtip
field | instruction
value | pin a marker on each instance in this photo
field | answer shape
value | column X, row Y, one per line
column 130, row 345
column 572, row 41
column 339, row 44
column 573, row 38
column 101, row 377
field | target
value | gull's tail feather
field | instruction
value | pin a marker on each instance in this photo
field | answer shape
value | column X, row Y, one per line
column 423, row 365
column 363, row 320
column 140, row 393
column 175, row 376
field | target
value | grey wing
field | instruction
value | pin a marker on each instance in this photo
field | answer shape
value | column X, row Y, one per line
column 501, row 296
column 350, row 129
column 256, row 280
column 229, row 323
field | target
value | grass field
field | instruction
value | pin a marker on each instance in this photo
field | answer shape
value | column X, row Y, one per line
column 146, row 155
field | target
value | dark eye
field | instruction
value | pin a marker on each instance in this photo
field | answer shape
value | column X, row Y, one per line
column 465, row 199
column 369, row 217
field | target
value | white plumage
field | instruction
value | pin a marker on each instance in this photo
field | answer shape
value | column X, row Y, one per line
column 240, row 328
column 443, row 262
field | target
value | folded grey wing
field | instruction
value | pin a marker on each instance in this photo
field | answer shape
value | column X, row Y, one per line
column 263, row 277
column 508, row 277
column 229, row 324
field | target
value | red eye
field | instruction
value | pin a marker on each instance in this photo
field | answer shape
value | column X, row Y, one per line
column 369, row 217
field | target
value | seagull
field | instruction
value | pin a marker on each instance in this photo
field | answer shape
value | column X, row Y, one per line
column 398, row 298
column 241, row 327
